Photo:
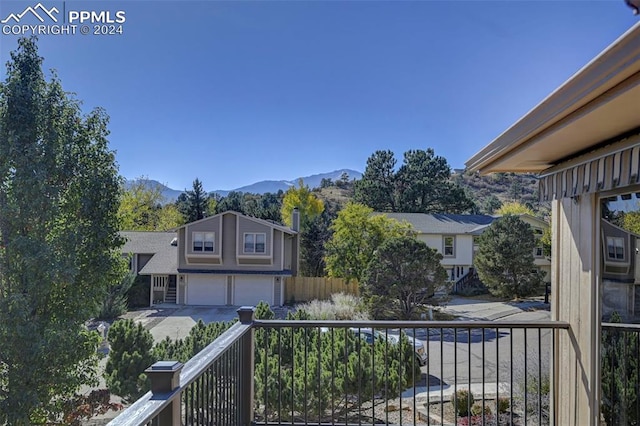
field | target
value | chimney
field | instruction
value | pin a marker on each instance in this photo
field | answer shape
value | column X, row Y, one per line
column 295, row 219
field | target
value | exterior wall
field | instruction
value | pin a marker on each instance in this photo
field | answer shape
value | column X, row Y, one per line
column 463, row 248
column 287, row 252
column 229, row 232
column 574, row 300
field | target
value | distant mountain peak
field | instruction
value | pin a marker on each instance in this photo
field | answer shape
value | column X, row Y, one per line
column 262, row 187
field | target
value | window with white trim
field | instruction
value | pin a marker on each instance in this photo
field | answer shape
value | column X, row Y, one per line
column 255, row 243
column 615, row 248
column 449, row 246
column 203, row 241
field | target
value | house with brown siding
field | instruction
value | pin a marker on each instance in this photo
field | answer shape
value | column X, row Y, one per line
column 226, row 259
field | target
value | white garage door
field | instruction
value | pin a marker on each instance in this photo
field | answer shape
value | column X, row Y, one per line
column 250, row 290
column 206, row 290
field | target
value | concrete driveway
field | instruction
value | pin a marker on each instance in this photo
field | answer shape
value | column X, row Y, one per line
column 469, row 309
column 175, row 322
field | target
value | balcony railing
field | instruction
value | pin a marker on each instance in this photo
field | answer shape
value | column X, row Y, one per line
column 264, row 372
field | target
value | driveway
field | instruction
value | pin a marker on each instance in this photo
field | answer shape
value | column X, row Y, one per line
column 469, row 309
column 175, row 322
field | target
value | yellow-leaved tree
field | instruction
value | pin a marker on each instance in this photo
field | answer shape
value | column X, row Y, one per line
column 307, row 203
column 515, row 208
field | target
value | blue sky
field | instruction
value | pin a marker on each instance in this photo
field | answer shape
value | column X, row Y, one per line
column 234, row 92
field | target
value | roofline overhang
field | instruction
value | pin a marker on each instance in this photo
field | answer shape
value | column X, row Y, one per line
column 281, row 228
column 615, row 69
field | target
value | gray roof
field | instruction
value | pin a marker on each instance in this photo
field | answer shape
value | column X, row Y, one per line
column 425, row 223
column 146, row 242
column 255, row 219
column 164, row 262
column 165, row 256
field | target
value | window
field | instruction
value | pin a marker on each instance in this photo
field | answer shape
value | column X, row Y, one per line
column 615, row 248
column 203, row 241
column 449, row 249
column 538, row 252
column 254, row 243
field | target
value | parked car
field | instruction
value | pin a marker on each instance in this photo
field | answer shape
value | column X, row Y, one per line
column 370, row 335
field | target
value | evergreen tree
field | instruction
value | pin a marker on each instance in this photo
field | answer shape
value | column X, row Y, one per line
column 620, row 373
column 401, row 275
column 377, row 187
column 505, row 261
column 314, row 240
column 130, row 355
column 234, row 201
column 196, row 203
column 421, row 185
column 59, row 242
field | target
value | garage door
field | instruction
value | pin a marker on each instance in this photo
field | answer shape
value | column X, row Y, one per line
column 206, row 290
column 250, row 290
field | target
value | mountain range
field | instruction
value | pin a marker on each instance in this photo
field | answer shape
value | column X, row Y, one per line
column 261, row 187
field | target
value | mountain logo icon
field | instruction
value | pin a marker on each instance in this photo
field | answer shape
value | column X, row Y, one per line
column 38, row 11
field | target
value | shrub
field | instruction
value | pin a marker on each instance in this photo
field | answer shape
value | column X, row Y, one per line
column 462, row 402
column 477, row 409
column 503, row 404
column 115, row 303
column 321, row 372
column 139, row 293
column 341, row 307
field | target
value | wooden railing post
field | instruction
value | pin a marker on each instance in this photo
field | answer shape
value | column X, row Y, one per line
column 165, row 379
column 245, row 399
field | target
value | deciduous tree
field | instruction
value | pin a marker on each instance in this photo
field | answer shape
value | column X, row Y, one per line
column 305, row 201
column 400, row 277
column 59, row 242
column 357, row 233
column 514, row 208
column 140, row 206
column 505, row 259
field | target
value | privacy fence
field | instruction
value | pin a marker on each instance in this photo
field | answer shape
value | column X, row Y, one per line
column 304, row 289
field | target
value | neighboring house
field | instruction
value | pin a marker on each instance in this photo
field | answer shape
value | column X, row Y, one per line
column 455, row 237
column 154, row 254
column 542, row 261
column 620, row 272
column 226, row 259
column 584, row 142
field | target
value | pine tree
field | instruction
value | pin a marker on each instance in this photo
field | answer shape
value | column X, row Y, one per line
column 505, row 261
column 196, row 203
column 130, row 355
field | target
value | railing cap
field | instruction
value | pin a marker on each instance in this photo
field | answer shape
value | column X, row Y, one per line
column 246, row 314
column 165, row 366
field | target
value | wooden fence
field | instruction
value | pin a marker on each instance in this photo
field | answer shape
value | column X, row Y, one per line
column 304, row 289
